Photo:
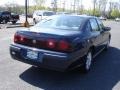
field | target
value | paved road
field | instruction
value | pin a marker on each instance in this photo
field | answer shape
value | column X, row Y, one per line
column 105, row 73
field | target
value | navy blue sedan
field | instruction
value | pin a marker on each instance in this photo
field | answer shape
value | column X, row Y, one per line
column 61, row 42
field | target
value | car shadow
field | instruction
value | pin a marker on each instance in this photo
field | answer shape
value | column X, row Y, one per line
column 104, row 75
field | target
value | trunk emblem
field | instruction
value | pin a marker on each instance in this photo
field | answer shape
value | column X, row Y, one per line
column 34, row 41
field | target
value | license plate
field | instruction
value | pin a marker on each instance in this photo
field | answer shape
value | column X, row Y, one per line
column 32, row 54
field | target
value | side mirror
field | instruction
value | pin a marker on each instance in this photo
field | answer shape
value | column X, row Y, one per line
column 106, row 28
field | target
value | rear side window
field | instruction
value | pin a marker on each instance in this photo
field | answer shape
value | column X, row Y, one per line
column 94, row 25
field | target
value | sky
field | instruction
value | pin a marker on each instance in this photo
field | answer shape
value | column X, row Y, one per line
column 87, row 3
column 21, row 2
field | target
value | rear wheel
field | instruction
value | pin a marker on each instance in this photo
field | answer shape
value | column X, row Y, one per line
column 34, row 21
column 107, row 45
column 13, row 22
column 87, row 62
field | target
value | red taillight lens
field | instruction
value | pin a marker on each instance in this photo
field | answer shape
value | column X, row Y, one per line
column 16, row 38
column 19, row 38
column 63, row 45
column 51, row 43
column 58, row 45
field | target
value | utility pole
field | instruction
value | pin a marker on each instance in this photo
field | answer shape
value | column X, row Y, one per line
column 26, row 24
column 26, row 11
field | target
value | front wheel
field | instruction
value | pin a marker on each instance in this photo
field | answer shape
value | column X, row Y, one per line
column 87, row 62
column 4, row 21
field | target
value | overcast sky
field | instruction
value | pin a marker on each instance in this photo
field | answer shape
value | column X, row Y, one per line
column 21, row 2
column 86, row 3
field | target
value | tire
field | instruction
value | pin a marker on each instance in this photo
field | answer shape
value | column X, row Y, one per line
column 87, row 62
column 107, row 45
column 4, row 21
column 34, row 21
column 13, row 22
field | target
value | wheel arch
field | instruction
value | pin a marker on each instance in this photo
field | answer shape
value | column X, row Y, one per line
column 92, row 48
column 109, row 36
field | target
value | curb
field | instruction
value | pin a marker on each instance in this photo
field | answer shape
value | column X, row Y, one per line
column 14, row 26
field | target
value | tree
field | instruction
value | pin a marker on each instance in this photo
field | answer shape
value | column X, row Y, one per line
column 113, row 9
column 39, row 3
column 115, row 13
column 14, row 8
column 54, row 5
column 74, row 6
column 79, row 6
column 2, row 8
column 94, row 6
column 102, row 6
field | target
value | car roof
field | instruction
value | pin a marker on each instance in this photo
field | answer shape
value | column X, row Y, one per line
column 86, row 17
column 62, row 12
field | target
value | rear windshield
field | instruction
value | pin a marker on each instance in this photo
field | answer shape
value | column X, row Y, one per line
column 48, row 13
column 62, row 22
column 6, row 13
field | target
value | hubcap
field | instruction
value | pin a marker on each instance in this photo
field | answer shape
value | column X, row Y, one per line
column 88, row 61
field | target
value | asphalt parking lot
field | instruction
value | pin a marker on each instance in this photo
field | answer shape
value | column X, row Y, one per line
column 19, row 23
column 104, row 75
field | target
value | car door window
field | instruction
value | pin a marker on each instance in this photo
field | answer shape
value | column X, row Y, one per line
column 101, row 26
column 88, row 27
column 94, row 25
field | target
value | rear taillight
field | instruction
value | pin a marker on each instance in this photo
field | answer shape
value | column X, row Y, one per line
column 63, row 45
column 16, row 38
column 19, row 38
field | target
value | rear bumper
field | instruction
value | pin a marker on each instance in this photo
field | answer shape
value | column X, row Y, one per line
column 50, row 59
